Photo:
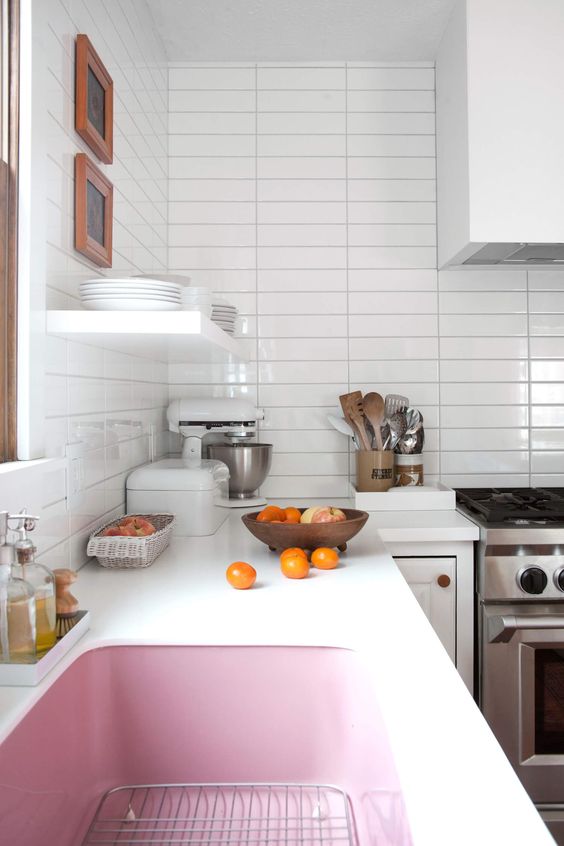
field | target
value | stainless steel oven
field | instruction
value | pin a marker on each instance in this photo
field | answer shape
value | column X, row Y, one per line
column 520, row 634
column 522, row 696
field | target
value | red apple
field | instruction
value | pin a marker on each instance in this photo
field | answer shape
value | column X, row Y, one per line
column 328, row 515
column 140, row 526
column 111, row 532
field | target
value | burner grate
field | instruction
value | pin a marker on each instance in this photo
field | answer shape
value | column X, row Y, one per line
column 253, row 814
column 499, row 505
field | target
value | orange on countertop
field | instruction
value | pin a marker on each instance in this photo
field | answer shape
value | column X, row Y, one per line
column 293, row 550
column 324, row 558
column 241, row 575
column 295, row 566
column 271, row 513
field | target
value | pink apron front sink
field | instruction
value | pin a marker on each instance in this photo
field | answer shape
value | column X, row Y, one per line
column 127, row 715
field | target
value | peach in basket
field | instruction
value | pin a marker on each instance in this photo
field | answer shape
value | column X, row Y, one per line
column 133, row 526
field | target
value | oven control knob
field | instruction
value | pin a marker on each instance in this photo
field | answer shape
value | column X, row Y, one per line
column 559, row 578
column 533, row 580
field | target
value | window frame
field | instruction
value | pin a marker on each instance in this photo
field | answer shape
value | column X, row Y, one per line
column 9, row 144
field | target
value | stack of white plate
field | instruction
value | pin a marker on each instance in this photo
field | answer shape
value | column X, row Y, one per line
column 130, row 295
column 224, row 314
column 197, row 298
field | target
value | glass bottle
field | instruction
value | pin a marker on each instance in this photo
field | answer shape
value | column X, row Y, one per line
column 17, row 608
column 42, row 581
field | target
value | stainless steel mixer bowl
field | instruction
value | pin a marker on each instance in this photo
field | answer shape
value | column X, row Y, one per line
column 248, row 466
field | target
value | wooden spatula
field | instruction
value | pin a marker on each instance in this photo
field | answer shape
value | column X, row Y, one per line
column 352, row 412
column 373, row 407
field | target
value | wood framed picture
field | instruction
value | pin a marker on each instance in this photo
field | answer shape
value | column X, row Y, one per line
column 94, row 108
column 93, row 212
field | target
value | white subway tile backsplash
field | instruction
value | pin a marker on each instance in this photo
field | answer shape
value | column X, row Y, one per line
column 217, row 213
column 394, row 325
column 302, row 304
column 330, row 279
column 489, row 302
column 219, row 123
column 325, row 235
column 331, row 242
column 301, row 145
column 483, row 348
column 308, row 350
column 185, row 79
column 383, row 190
column 484, row 371
column 391, row 78
column 296, row 167
column 403, row 347
column 211, row 145
column 211, row 190
column 301, row 372
column 298, row 122
column 211, row 101
column 300, row 101
column 298, row 190
column 301, row 78
column 494, row 393
column 212, row 167
column 479, row 279
column 488, row 416
column 390, row 123
column 391, row 235
column 422, row 212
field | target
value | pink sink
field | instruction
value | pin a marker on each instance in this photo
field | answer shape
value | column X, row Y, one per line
column 160, row 715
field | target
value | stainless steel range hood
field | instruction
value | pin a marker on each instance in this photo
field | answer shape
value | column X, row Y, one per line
column 518, row 254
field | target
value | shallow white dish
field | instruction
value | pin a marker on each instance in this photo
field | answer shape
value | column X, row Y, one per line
column 434, row 497
column 119, row 304
column 112, row 287
column 132, row 297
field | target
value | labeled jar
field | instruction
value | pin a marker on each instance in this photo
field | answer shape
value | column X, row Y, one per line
column 408, row 470
column 374, row 470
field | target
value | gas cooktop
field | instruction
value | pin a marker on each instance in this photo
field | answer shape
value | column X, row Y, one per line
column 515, row 506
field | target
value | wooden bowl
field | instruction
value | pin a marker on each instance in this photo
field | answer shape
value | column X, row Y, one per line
column 307, row 535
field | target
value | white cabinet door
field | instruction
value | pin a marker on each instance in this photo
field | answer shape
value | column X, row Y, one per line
column 433, row 582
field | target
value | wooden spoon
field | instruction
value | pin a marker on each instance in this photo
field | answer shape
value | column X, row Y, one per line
column 373, row 407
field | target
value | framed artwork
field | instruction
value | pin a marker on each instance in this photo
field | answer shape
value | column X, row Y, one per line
column 93, row 212
column 94, row 107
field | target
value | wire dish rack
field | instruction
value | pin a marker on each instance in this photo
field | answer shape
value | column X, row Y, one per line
column 249, row 814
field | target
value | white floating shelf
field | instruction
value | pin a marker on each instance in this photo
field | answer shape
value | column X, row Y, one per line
column 174, row 336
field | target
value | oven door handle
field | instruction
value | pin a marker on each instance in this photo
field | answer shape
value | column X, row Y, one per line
column 501, row 628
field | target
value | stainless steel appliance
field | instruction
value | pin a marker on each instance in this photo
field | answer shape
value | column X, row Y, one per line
column 248, row 465
column 520, row 632
column 222, row 429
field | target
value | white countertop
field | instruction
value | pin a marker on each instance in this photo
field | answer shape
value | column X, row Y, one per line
column 457, row 784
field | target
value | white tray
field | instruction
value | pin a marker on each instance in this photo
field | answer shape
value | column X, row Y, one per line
column 28, row 675
column 437, row 497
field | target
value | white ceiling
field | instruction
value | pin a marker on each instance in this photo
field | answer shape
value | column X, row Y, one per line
column 300, row 30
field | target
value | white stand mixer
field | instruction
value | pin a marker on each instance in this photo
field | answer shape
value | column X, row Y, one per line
column 236, row 420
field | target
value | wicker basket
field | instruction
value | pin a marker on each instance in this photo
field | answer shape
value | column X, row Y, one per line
column 128, row 552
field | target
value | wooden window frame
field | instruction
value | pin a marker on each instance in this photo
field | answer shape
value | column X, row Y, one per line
column 9, row 229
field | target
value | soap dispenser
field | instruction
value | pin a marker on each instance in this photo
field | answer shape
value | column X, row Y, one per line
column 17, row 607
column 42, row 581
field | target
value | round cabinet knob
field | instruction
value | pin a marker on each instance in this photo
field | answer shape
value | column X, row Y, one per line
column 533, row 580
column 444, row 581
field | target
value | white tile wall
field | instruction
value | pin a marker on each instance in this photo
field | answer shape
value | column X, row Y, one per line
column 108, row 402
column 307, row 196
column 314, row 212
